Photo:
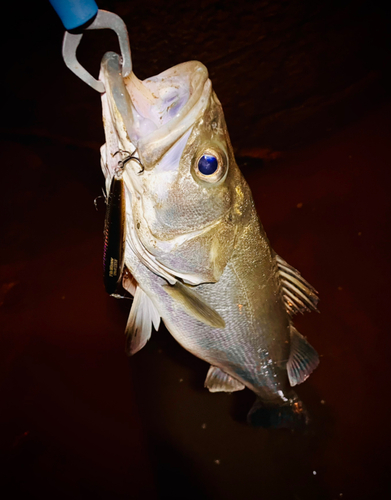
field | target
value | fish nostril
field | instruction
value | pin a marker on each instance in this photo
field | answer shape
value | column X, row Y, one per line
column 207, row 164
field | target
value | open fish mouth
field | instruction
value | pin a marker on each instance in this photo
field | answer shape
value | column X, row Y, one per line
column 153, row 114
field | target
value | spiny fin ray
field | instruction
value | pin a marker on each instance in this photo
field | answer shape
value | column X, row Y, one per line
column 143, row 315
column 299, row 295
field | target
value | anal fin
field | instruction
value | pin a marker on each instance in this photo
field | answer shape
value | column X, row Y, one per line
column 303, row 358
column 219, row 381
column 194, row 304
column 143, row 315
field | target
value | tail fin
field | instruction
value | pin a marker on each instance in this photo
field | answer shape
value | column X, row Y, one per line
column 291, row 415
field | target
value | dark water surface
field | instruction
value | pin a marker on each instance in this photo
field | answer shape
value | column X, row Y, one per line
column 79, row 420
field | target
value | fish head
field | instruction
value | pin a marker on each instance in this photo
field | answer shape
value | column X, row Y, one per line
column 188, row 200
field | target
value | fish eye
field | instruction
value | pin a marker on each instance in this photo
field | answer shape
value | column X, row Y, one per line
column 211, row 165
column 207, row 164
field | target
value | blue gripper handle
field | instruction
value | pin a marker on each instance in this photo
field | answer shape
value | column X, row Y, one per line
column 74, row 13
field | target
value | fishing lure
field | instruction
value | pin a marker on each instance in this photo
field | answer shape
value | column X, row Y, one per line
column 114, row 234
column 114, row 229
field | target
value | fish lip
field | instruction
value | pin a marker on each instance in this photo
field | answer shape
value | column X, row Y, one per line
column 195, row 76
column 118, row 98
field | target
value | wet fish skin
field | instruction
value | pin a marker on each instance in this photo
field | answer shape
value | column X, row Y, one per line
column 182, row 228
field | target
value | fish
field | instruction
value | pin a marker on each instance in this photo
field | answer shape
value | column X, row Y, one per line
column 196, row 255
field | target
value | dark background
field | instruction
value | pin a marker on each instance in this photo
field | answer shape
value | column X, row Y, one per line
column 305, row 90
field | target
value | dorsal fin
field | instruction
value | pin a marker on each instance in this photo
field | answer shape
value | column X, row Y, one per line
column 299, row 295
column 303, row 358
column 143, row 315
column 219, row 381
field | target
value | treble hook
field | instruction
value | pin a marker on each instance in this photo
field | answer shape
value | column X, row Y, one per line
column 130, row 157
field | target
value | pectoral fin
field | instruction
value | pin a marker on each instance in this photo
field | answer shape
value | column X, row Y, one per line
column 219, row 381
column 141, row 318
column 194, row 305
column 303, row 359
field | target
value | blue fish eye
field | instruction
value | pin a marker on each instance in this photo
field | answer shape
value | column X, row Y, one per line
column 207, row 164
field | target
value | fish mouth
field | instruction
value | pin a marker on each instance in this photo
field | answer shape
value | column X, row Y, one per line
column 153, row 114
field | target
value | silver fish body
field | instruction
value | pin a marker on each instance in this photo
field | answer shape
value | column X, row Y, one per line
column 197, row 253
